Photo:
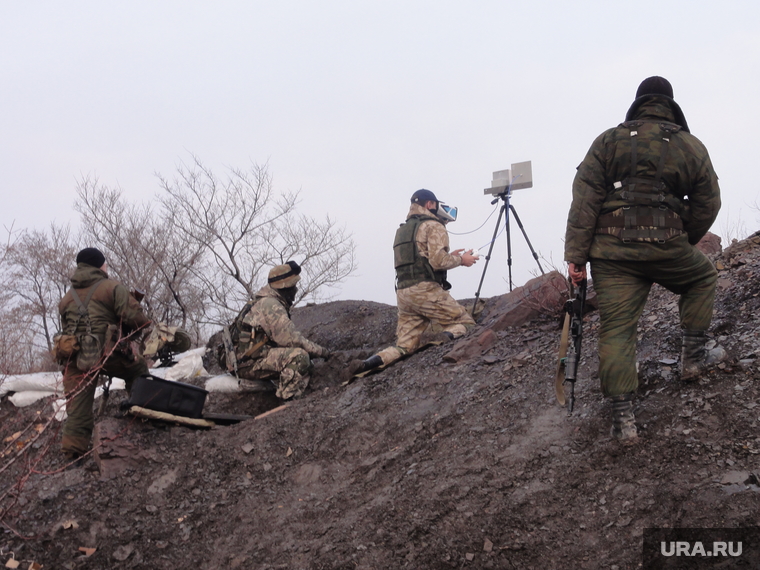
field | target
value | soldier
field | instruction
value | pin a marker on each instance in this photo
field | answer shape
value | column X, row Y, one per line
column 643, row 197
column 164, row 342
column 98, row 307
column 269, row 346
column 422, row 258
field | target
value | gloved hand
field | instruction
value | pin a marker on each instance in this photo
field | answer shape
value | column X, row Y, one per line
column 325, row 353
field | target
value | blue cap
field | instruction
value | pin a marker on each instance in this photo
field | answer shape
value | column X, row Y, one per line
column 421, row 196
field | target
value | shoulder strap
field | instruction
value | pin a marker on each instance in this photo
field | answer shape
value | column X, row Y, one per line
column 83, row 314
column 83, row 305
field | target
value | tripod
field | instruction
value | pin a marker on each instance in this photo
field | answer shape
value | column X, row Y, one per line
column 506, row 208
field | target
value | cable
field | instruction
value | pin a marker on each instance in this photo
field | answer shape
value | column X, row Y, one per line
column 479, row 227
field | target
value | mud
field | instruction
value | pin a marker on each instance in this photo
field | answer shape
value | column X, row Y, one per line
column 426, row 465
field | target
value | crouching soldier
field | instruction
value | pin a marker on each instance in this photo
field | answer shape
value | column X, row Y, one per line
column 164, row 342
column 268, row 346
column 99, row 318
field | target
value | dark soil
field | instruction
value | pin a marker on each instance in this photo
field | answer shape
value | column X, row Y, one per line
column 426, row 465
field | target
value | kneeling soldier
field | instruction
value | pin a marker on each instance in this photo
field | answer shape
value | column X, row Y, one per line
column 269, row 346
column 422, row 259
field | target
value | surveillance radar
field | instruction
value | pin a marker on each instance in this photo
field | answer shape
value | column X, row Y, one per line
column 519, row 176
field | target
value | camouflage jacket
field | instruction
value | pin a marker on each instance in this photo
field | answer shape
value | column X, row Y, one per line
column 433, row 241
column 688, row 175
column 111, row 304
column 270, row 314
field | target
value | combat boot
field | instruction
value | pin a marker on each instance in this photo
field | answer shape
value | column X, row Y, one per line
column 695, row 356
column 623, row 421
column 359, row 366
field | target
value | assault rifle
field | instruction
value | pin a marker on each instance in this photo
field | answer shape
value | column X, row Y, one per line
column 570, row 352
column 229, row 349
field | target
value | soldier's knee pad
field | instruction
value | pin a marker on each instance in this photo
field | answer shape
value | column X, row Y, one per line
column 300, row 363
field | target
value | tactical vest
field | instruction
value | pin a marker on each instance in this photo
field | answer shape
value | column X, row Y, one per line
column 643, row 209
column 411, row 267
column 244, row 336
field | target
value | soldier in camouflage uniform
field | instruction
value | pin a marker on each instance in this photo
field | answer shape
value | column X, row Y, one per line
column 110, row 304
column 164, row 342
column 422, row 258
column 643, row 197
column 270, row 347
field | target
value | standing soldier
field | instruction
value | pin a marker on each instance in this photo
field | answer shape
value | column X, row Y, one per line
column 269, row 346
column 422, row 258
column 643, row 197
column 102, row 316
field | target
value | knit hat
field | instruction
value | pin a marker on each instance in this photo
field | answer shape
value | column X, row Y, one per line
column 655, row 85
column 91, row 256
column 284, row 276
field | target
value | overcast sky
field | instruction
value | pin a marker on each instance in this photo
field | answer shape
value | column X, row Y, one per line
column 357, row 104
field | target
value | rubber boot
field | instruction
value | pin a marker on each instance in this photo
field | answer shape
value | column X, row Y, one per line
column 359, row 366
column 623, row 420
column 695, row 357
column 442, row 337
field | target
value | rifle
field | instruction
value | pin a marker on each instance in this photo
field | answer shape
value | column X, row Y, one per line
column 570, row 352
column 229, row 349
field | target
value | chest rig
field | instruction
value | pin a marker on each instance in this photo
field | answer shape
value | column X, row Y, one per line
column 411, row 267
column 641, row 208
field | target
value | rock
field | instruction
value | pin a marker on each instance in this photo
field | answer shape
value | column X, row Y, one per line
column 471, row 347
column 542, row 295
column 123, row 552
column 114, row 448
column 734, row 477
column 710, row 244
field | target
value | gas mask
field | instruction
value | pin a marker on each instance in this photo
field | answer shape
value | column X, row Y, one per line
column 446, row 213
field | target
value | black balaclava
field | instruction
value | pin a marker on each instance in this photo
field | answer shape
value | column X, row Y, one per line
column 289, row 294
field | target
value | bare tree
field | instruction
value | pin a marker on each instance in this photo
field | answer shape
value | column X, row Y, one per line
column 246, row 227
column 198, row 253
column 325, row 251
column 144, row 252
column 41, row 263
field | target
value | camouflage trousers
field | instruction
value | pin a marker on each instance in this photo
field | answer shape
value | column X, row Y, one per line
column 622, row 288
column 79, row 388
column 288, row 366
column 419, row 307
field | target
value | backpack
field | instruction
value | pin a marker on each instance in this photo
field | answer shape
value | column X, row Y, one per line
column 90, row 346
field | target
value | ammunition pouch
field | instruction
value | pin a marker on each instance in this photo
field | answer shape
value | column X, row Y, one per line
column 641, row 224
column 90, row 351
column 64, row 347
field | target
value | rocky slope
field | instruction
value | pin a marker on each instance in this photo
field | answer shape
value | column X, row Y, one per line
column 436, row 462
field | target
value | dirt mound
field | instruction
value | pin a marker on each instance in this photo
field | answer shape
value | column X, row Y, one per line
column 429, row 464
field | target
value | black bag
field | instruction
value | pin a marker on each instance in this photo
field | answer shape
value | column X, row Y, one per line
column 175, row 398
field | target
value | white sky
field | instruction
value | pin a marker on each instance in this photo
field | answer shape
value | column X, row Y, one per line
column 360, row 103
